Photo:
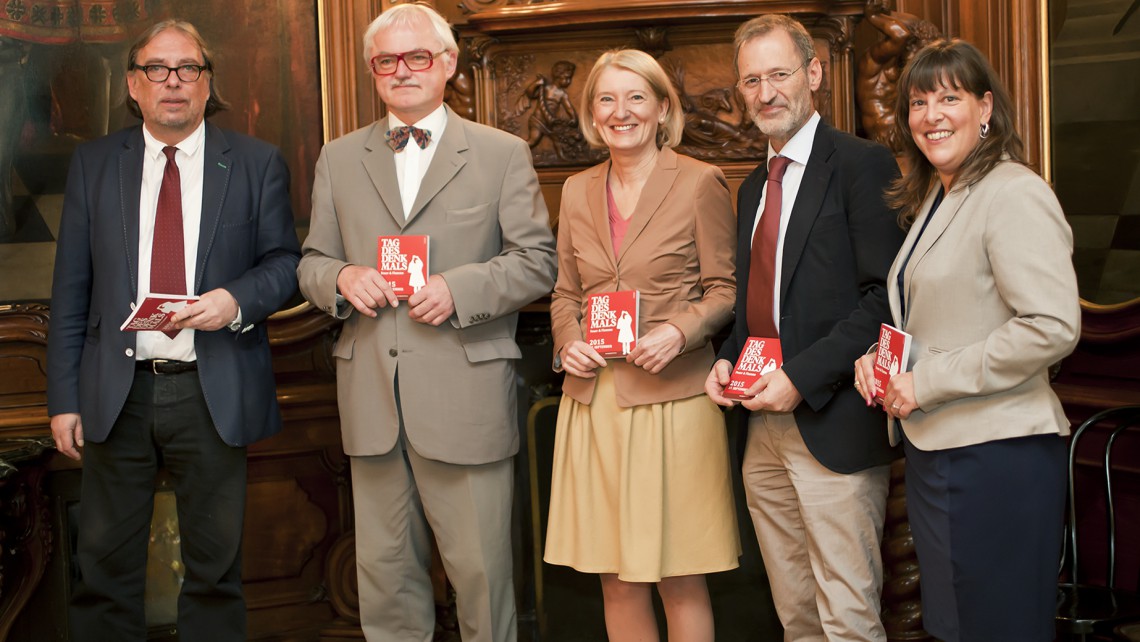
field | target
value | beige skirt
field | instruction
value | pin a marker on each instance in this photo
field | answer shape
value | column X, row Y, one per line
column 643, row 492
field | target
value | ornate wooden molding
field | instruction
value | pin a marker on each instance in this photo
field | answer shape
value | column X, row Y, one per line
column 26, row 541
column 902, row 596
column 835, row 99
column 591, row 14
column 24, row 322
column 348, row 100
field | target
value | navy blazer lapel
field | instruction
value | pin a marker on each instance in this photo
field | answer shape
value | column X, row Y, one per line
column 215, row 182
column 748, row 204
column 130, row 189
column 809, row 200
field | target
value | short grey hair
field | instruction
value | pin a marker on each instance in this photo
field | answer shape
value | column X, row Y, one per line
column 408, row 15
column 767, row 23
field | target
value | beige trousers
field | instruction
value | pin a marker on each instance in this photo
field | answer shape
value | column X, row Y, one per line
column 397, row 496
column 819, row 534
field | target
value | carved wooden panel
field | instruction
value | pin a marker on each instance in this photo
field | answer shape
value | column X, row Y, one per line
column 515, row 49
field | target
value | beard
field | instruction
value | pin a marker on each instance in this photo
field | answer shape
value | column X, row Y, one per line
column 785, row 123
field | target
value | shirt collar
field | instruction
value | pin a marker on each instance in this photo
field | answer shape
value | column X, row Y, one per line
column 433, row 122
column 189, row 145
column 799, row 147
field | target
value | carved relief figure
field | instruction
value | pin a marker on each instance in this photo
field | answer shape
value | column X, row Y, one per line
column 706, row 135
column 553, row 114
column 460, row 93
column 879, row 67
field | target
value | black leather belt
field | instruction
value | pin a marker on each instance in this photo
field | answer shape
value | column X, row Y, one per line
column 166, row 366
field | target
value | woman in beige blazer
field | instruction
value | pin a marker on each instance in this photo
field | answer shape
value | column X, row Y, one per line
column 984, row 283
column 641, row 488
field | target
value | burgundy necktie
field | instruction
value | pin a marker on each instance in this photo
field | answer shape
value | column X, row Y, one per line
column 762, row 269
column 167, row 255
column 398, row 138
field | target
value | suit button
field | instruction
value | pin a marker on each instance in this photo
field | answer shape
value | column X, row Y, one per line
column 393, row 352
column 129, row 352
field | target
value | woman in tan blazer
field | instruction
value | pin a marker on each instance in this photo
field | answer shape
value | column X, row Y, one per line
column 984, row 283
column 641, row 488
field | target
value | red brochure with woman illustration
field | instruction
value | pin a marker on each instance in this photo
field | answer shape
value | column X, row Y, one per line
column 403, row 262
column 611, row 322
column 760, row 356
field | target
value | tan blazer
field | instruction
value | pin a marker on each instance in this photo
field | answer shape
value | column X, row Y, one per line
column 991, row 300
column 678, row 252
column 490, row 239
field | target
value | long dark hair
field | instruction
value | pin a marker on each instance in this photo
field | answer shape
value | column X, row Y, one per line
column 214, row 103
column 960, row 65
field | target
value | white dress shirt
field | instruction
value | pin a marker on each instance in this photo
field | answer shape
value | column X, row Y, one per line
column 190, row 158
column 412, row 163
column 798, row 149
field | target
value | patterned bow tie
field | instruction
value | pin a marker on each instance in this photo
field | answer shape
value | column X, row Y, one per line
column 398, row 138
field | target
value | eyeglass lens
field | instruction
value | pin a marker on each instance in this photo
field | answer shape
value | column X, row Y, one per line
column 159, row 73
column 416, row 60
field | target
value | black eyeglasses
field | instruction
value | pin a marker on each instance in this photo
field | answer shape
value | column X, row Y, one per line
column 159, row 73
column 416, row 60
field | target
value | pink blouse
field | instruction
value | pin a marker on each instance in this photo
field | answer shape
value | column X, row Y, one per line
column 618, row 225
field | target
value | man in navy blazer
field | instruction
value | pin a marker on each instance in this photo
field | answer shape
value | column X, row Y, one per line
column 191, row 402
column 815, row 463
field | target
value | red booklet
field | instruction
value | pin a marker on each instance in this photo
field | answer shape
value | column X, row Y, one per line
column 891, row 357
column 403, row 262
column 760, row 356
column 611, row 322
column 154, row 313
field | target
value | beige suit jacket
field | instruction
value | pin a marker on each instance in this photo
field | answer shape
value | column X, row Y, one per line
column 490, row 240
column 678, row 252
column 991, row 301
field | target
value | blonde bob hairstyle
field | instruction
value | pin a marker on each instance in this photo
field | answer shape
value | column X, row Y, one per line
column 642, row 64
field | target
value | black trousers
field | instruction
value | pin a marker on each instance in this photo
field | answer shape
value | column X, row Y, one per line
column 987, row 521
column 165, row 422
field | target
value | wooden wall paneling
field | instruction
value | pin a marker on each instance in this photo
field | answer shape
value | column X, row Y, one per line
column 23, row 370
column 299, row 504
column 836, row 99
column 1009, row 32
column 349, row 100
column 933, row 11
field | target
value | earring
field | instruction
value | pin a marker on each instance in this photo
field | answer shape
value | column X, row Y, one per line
column 661, row 120
column 985, row 131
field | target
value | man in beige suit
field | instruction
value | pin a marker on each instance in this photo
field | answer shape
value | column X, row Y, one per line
column 426, row 386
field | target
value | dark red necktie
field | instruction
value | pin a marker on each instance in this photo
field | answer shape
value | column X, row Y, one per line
column 167, row 255
column 398, row 138
column 762, row 269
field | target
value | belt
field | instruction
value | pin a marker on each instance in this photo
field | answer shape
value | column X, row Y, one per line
column 166, row 366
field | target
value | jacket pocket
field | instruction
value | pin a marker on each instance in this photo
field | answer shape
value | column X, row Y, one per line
column 468, row 214
column 491, row 349
column 344, row 347
column 93, row 328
